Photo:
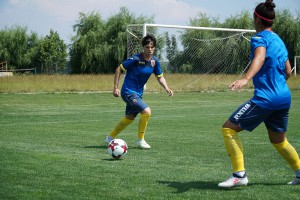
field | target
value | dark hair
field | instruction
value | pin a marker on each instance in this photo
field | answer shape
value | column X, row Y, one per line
column 265, row 11
column 147, row 39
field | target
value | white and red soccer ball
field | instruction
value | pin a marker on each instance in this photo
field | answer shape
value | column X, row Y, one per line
column 117, row 148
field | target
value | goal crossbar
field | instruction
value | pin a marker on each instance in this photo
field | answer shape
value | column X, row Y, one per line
column 194, row 28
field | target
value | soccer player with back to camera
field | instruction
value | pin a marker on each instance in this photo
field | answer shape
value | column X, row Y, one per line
column 138, row 68
column 269, row 70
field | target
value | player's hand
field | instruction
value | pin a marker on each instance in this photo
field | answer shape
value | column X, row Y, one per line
column 116, row 92
column 236, row 85
column 169, row 91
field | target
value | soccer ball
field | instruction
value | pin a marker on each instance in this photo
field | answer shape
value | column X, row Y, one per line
column 117, row 148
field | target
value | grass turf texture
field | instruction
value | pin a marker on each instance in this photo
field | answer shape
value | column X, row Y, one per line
column 52, row 147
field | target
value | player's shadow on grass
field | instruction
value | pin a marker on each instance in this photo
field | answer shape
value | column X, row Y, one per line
column 186, row 186
column 182, row 187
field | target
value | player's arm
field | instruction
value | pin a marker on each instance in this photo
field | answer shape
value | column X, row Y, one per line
column 256, row 64
column 288, row 69
column 116, row 90
column 162, row 81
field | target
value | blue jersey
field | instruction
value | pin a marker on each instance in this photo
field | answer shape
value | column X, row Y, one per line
column 138, row 70
column 271, row 90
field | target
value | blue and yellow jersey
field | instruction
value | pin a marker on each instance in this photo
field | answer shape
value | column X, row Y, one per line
column 138, row 70
column 271, row 90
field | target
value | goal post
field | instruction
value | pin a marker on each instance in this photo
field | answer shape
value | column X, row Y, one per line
column 199, row 58
column 294, row 69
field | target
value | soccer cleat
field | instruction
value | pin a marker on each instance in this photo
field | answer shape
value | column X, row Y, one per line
column 143, row 144
column 234, row 181
column 296, row 181
column 108, row 139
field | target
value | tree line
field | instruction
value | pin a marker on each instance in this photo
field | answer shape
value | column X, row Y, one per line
column 99, row 45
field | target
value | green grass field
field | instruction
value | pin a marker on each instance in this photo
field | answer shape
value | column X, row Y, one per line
column 52, row 147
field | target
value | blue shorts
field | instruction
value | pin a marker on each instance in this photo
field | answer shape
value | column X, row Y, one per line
column 134, row 104
column 249, row 115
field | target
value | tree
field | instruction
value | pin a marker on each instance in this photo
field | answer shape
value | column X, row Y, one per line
column 288, row 28
column 18, row 48
column 23, row 51
column 172, row 54
column 99, row 46
column 117, row 36
column 285, row 25
column 240, row 21
column 52, row 52
column 85, row 50
column 191, row 50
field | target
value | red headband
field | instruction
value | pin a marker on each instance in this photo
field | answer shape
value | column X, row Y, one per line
column 266, row 19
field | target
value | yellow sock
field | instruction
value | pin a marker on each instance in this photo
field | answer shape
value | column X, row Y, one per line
column 143, row 125
column 288, row 152
column 234, row 149
column 120, row 127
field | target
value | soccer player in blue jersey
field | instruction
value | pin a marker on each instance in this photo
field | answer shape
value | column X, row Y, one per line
column 138, row 69
column 269, row 70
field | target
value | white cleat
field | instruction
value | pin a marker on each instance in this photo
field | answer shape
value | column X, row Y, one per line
column 143, row 144
column 108, row 139
column 234, row 181
column 296, row 181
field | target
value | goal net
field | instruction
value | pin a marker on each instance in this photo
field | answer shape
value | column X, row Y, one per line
column 196, row 58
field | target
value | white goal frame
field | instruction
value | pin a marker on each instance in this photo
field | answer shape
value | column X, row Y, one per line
column 294, row 69
column 193, row 27
column 202, row 54
column 209, row 67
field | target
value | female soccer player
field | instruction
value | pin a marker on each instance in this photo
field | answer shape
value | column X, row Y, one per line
column 269, row 69
column 138, row 69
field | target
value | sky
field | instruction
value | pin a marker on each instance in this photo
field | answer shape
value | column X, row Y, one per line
column 60, row 15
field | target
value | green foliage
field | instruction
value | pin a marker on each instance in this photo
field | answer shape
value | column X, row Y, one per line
column 202, row 19
column 86, row 50
column 288, row 28
column 171, row 49
column 18, row 48
column 196, row 49
column 23, row 51
column 52, row 51
column 99, row 46
column 239, row 21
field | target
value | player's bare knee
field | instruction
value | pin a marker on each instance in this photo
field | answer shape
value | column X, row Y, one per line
column 146, row 111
